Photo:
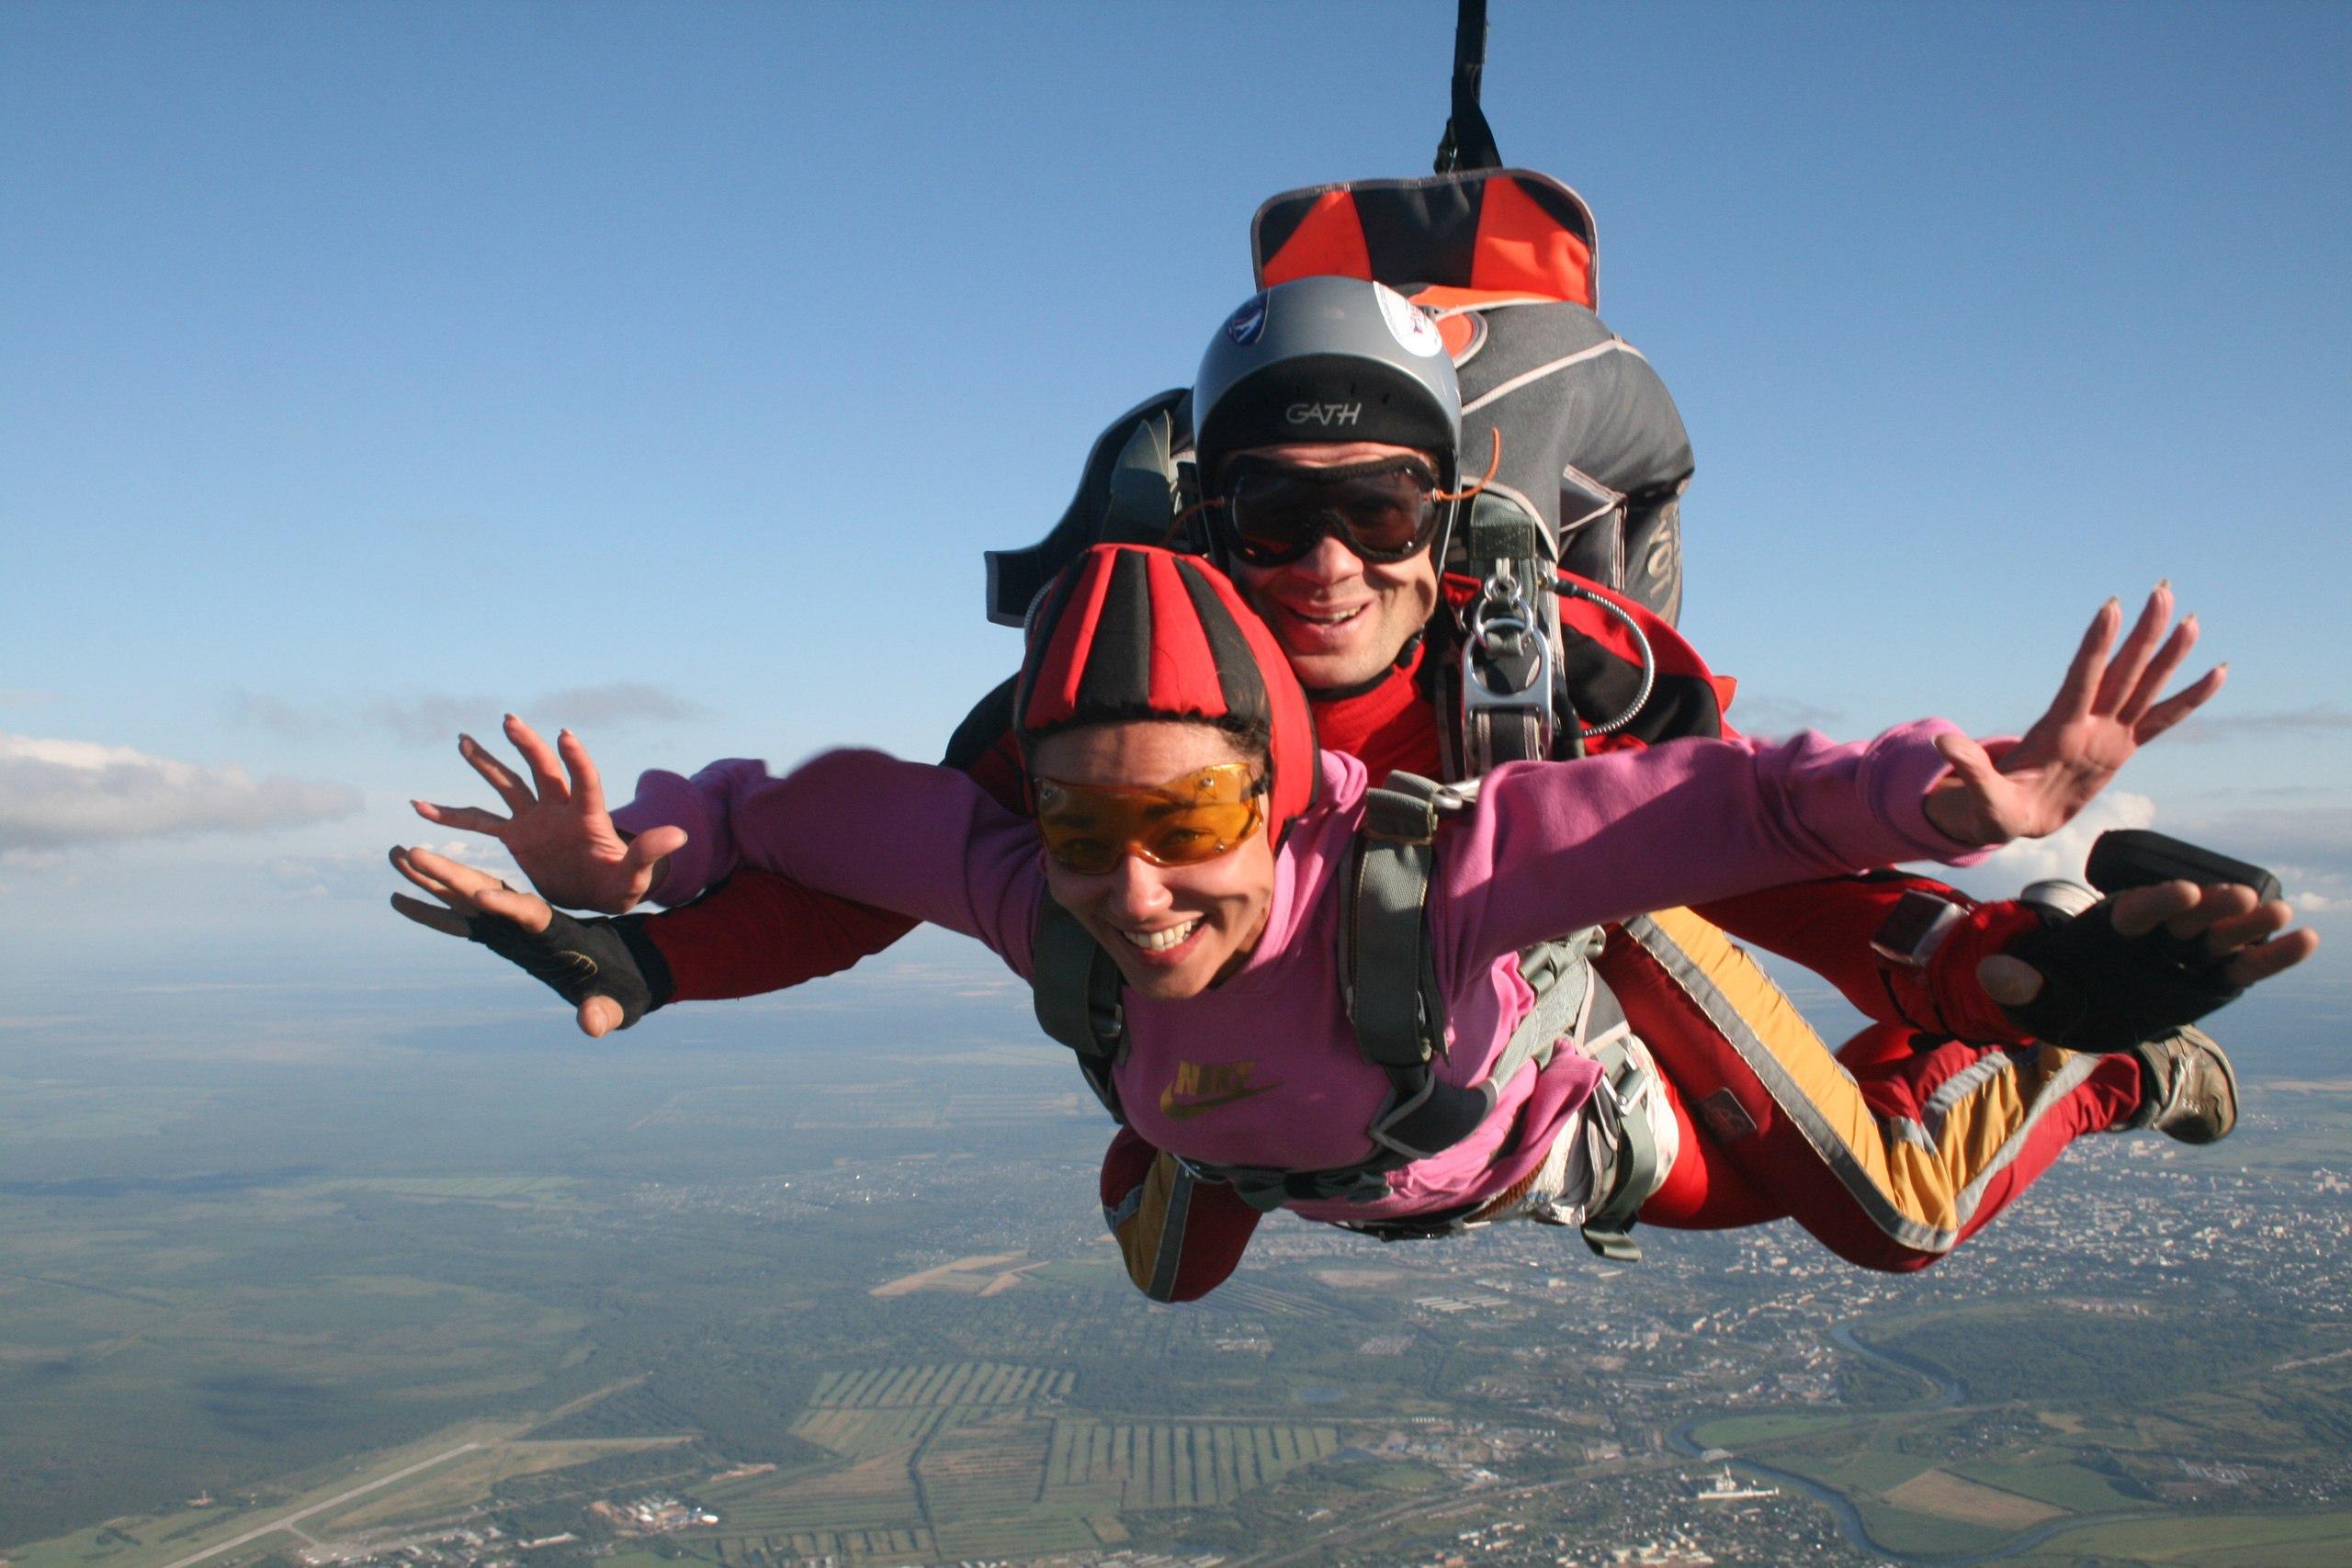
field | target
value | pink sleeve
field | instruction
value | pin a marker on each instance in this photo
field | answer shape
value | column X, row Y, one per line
column 923, row 841
column 1553, row 847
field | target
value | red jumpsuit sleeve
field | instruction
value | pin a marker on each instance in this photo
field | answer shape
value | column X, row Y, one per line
column 757, row 933
column 1826, row 925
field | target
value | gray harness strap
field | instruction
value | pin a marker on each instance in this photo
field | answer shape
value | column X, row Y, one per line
column 1626, row 1148
column 1075, row 990
column 1386, row 973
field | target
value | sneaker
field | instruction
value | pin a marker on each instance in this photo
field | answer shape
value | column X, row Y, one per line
column 2191, row 1091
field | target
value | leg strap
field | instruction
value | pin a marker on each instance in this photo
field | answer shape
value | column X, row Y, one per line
column 1629, row 1164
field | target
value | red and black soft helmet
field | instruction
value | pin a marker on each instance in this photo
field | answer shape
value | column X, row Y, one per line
column 1130, row 632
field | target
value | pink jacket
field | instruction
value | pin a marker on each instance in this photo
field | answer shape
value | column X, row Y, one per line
column 1549, row 849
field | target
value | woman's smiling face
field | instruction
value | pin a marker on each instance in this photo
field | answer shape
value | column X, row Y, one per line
column 1175, row 930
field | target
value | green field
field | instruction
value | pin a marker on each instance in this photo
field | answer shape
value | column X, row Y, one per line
column 2225, row 1541
column 962, row 1383
column 1181, row 1465
column 2058, row 1482
column 1738, row 1431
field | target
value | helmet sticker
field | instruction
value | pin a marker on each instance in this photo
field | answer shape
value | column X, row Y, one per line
column 1414, row 332
column 1248, row 325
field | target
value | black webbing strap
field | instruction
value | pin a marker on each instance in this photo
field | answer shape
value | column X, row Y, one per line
column 1469, row 141
column 1064, row 988
column 1390, row 973
column 1075, row 988
column 1392, row 995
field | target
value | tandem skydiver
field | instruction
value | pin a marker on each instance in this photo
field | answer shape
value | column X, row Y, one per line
column 1211, row 871
column 1951, row 1106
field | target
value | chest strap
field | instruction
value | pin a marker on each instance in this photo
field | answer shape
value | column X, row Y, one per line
column 1389, row 970
column 1075, row 988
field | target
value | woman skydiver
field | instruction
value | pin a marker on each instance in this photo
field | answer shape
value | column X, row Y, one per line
column 1189, row 828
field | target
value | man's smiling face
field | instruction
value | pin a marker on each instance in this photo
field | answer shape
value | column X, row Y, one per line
column 1340, row 619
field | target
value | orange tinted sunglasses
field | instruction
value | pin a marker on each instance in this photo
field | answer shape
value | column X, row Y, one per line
column 1194, row 818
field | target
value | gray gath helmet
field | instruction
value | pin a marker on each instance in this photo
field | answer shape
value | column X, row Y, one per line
column 1326, row 359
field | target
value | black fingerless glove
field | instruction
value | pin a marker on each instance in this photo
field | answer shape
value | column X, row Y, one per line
column 2105, row 991
column 578, row 959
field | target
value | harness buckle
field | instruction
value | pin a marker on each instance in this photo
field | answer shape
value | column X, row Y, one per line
column 1507, row 670
column 1409, row 810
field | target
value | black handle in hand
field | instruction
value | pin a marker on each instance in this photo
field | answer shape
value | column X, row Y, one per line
column 2134, row 857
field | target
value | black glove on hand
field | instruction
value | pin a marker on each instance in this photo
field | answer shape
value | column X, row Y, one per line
column 578, row 959
column 2105, row 991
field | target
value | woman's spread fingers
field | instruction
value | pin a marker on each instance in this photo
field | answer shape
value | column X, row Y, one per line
column 465, row 818
column 2180, row 706
column 2123, row 671
column 495, row 773
column 2140, row 911
column 2160, row 672
column 587, row 784
column 2088, row 665
column 444, row 920
column 2262, row 961
column 545, row 772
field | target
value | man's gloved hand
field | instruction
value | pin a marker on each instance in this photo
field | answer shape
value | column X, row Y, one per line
column 580, row 961
column 609, row 970
column 2135, row 966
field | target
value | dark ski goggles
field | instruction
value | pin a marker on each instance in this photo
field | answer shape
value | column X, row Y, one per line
column 1385, row 510
column 1092, row 827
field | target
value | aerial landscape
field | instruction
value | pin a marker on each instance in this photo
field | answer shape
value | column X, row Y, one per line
column 748, row 1297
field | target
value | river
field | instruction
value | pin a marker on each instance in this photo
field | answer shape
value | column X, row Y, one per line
column 1949, row 1391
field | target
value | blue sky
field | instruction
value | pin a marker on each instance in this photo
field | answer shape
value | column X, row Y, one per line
column 664, row 371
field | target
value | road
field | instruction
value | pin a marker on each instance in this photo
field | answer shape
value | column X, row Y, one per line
column 290, row 1520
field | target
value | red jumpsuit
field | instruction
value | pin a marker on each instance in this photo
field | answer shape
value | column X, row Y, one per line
column 1918, row 1131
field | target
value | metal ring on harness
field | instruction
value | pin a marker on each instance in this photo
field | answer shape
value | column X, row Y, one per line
column 1649, row 660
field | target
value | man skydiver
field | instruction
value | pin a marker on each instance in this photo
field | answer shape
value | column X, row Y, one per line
column 1958, row 1114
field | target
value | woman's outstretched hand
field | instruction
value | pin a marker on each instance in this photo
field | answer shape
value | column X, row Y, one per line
column 2106, row 710
column 559, row 833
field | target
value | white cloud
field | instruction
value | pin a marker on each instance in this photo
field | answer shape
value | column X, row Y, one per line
column 435, row 718
column 55, row 794
column 1755, row 713
column 2317, row 718
column 368, row 874
column 2062, row 853
column 277, row 717
column 616, row 702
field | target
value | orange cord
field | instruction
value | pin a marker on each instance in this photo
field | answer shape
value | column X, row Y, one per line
column 1494, row 463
